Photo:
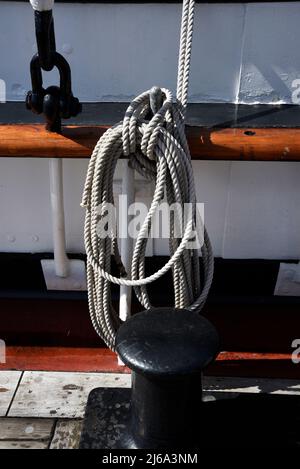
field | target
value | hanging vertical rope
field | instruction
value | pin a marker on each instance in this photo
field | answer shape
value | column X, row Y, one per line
column 157, row 148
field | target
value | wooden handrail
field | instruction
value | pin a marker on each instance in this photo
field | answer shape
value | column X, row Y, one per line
column 77, row 141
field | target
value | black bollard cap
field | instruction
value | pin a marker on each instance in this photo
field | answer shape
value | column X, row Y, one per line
column 167, row 342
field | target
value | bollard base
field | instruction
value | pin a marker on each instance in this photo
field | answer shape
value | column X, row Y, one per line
column 229, row 420
column 106, row 419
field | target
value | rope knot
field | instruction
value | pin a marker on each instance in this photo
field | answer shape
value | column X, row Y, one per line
column 153, row 128
column 140, row 132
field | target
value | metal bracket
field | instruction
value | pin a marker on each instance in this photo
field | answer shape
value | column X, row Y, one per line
column 55, row 102
column 76, row 279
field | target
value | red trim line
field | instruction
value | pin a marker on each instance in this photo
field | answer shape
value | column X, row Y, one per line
column 267, row 365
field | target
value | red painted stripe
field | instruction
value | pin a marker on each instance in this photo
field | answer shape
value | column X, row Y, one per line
column 268, row 365
column 62, row 359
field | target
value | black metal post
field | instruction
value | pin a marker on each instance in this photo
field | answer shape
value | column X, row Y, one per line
column 166, row 349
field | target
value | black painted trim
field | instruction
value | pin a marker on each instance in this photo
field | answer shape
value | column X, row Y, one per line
column 241, row 305
column 235, row 281
column 208, row 115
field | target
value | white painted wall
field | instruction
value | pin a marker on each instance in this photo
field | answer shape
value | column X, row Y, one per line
column 242, row 53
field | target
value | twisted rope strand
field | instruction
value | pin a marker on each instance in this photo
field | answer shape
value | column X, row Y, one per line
column 157, row 148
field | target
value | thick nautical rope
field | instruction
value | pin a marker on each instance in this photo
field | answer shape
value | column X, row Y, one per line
column 157, row 148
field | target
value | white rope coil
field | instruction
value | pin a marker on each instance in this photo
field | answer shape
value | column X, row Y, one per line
column 157, row 148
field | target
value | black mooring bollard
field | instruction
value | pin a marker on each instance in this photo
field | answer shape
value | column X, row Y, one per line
column 166, row 349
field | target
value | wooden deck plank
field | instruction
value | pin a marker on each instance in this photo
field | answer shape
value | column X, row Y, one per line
column 26, row 429
column 60, row 395
column 18, row 444
column 67, row 434
column 8, row 383
column 236, row 144
column 64, row 395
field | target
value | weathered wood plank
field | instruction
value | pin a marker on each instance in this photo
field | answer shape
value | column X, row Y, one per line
column 8, row 383
column 26, row 429
column 61, row 395
column 17, row 444
column 64, row 395
column 67, row 434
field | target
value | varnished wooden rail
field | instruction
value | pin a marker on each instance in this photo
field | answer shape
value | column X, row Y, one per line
column 77, row 141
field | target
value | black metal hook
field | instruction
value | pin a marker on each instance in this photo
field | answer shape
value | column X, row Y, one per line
column 54, row 102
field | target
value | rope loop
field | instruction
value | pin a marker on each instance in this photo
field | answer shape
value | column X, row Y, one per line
column 138, row 131
column 152, row 136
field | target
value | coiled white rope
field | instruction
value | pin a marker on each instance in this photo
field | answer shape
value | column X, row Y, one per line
column 157, row 148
